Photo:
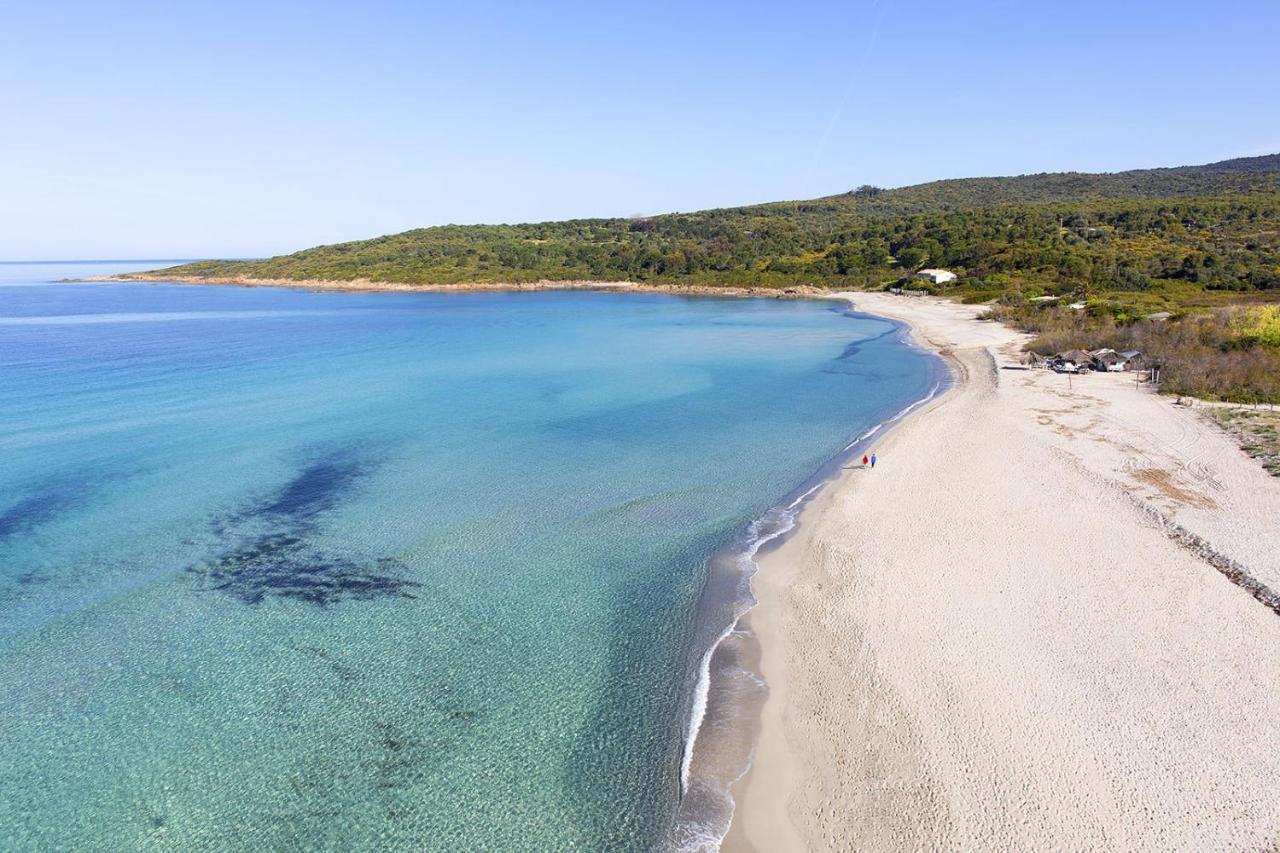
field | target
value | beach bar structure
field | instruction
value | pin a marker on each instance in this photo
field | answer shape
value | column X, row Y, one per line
column 1108, row 360
column 1074, row 359
column 1135, row 360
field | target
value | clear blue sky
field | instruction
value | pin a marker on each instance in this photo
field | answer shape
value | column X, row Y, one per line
column 240, row 129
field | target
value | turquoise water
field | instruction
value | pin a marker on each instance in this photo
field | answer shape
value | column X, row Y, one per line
column 290, row 570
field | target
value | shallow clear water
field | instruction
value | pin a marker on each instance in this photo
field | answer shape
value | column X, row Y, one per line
column 292, row 570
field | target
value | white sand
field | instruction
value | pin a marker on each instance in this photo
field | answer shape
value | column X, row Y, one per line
column 999, row 639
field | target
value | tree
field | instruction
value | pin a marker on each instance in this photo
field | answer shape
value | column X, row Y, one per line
column 912, row 258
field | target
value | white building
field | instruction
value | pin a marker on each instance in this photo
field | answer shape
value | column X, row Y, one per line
column 937, row 276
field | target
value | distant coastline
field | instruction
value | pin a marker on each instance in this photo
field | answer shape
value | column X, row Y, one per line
column 368, row 285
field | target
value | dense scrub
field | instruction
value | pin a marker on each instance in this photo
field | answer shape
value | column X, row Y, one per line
column 1159, row 251
column 1154, row 233
column 1186, row 240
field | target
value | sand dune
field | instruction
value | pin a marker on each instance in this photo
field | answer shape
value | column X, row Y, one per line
column 1008, row 636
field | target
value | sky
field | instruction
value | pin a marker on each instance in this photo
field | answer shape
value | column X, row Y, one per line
column 230, row 129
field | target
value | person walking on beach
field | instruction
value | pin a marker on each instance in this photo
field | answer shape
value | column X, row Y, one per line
column 873, row 460
column 864, row 460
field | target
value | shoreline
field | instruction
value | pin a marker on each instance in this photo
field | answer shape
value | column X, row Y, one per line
column 952, row 654
column 361, row 285
column 756, row 621
column 725, row 717
column 760, row 621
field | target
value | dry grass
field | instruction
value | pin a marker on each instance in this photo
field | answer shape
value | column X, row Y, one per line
column 1257, row 431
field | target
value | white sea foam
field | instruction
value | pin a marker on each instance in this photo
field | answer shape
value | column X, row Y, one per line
column 917, row 404
column 758, row 536
column 875, row 429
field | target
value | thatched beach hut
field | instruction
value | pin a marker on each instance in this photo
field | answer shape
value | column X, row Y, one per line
column 1077, row 357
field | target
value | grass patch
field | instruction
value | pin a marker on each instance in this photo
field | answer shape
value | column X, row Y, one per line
column 1256, row 430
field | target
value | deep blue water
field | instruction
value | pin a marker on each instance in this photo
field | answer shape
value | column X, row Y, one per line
column 290, row 570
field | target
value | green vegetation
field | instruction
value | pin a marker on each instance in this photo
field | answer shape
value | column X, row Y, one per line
column 1154, row 233
column 1258, row 326
column 1208, row 354
column 1188, row 240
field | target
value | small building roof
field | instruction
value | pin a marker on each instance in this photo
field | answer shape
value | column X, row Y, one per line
column 936, row 275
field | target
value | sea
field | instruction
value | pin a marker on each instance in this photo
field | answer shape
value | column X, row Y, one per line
column 293, row 570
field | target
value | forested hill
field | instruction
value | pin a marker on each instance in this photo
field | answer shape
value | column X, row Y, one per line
column 1245, row 175
column 1149, row 236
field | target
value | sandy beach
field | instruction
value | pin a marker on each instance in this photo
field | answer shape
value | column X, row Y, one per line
column 1045, row 620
